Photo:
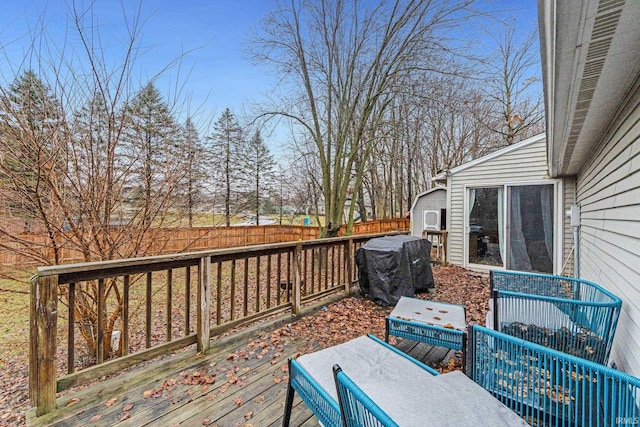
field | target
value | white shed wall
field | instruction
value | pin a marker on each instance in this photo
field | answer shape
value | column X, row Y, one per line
column 433, row 200
column 608, row 191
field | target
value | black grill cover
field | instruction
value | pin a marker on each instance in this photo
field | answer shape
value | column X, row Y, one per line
column 394, row 266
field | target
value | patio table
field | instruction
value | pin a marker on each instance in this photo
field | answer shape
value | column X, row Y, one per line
column 435, row 323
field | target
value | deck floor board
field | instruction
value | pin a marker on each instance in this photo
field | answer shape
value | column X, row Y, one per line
column 249, row 388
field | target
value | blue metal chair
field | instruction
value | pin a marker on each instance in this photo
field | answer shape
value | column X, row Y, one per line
column 357, row 409
column 547, row 387
column 574, row 316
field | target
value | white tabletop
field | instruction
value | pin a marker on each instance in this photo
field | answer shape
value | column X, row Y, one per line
column 430, row 312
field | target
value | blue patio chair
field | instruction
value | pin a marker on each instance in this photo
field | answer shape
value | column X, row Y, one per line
column 357, row 409
column 547, row 387
column 571, row 315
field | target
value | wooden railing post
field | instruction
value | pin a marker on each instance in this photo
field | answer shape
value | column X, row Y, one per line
column 43, row 331
column 204, row 304
column 349, row 262
column 296, row 305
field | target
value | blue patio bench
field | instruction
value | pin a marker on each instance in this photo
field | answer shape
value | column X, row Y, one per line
column 547, row 387
column 381, row 386
column 574, row 316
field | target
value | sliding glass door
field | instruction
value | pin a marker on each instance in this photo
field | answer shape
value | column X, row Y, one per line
column 485, row 224
column 516, row 232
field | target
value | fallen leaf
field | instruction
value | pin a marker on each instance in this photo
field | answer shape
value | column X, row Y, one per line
column 95, row 418
column 111, row 401
column 248, row 415
column 73, row 401
column 127, row 407
column 125, row 416
column 206, row 422
column 238, row 401
column 259, row 399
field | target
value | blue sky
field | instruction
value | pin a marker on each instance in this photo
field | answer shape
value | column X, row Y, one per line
column 216, row 70
column 216, row 75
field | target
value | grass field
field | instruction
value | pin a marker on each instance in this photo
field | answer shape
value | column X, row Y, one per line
column 14, row 319
column 206, row 219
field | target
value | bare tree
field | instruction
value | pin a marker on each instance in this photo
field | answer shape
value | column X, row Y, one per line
column 67, row 169
column 347, row 58
column 514, row 86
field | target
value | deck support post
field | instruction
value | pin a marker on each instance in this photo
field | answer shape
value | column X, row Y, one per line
column 42, row 353
column 204, row 304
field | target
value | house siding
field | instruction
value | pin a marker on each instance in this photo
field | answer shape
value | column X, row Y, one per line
column 526, row 164
column 608, row 192
column 569, row 199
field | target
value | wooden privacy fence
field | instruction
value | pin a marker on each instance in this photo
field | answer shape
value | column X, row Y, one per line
column 172, row 240
column 146, row 307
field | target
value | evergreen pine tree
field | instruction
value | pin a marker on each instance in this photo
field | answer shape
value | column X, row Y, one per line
column 153, row 151
column 258, row 172
column 226, row 141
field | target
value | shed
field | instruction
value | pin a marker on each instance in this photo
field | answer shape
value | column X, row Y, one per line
column 429, row 211
column 506, row 212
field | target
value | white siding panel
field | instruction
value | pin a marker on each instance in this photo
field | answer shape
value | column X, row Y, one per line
column 608, row 190
column 569, row 198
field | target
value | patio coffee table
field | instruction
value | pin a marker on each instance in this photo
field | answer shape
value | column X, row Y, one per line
column 435, row 323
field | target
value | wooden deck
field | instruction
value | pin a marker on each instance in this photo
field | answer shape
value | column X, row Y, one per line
column 242, row 381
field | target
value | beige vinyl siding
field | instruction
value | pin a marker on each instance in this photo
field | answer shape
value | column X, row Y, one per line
column 608, row 191
column 528, row 163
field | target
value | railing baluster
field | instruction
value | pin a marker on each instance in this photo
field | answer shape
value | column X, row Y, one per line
column 296, row 304
column 233, row 289
column 349, row 258
column 187, row 301
column 169, row 302
column 219, row 295
column 125, row 316
column 100, row 323
column 333, row 266
column 71, row 329
column 279, row 281
column 148, row 311
column 325, row 265
column 204, row 304
column 268, row 281
column 257, row 284
column 304, row 275
column 313, row 270
column 246, row 287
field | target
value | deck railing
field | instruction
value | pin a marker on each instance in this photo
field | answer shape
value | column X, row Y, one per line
column 94, row 319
